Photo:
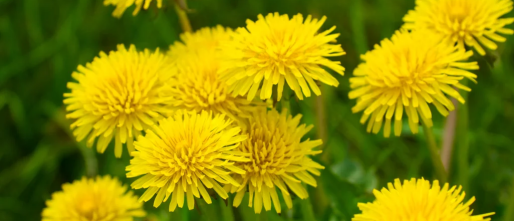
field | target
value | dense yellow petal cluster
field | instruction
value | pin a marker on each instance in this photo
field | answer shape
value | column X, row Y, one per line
column 117, row 96
column 184, row 156
column 407, row 73
column 197, row 85
column 276, row 49
column 100, row 199
column 417, row 200
column 474, row 23
column 206, row 40
column 122, row 5
column 279, row 159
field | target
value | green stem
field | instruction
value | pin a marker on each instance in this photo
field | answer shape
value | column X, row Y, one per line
column 308, row 214
column 434, row 154
column 208, row 212
column 285, row 103
column 226, row 210
column 462, row 146
column 183, row 19
column 263, row 216
column 509, row 213
column 357, row 25
column 321, row 124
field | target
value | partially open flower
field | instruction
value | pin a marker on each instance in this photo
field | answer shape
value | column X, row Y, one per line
column 196, row 86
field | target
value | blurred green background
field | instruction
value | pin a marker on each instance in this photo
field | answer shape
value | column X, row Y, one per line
column 42, row 42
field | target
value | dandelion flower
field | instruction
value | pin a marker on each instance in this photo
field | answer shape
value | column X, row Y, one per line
column 197, row 86
column 207, row 40
column 417, row 200
column 117, row 96
column 279, row 159
column 409, row 72
column 102, row 198
column 184, row 155
column 275, row 50
column 122, row 5
column 475, row 23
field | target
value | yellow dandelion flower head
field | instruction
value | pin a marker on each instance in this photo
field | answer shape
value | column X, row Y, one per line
column 197, row 85
column 122, row 5
column 205, row 40
column 409, row 72
column 279, row 159
column 184, row 156
column 474, row 23
column 418, row 200
column 276, row 49
column 117, row 96
column 101, row 198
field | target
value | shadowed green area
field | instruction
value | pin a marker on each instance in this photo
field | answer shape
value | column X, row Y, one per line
column 42, row 42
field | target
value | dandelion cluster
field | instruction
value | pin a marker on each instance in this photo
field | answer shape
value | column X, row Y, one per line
column 118, row 96
column 275, row 50
column 198, row 120
column 122, row 5
column 184, row 156
column 279, row 159
column 101, row 198
column 475, row 23
column 417, row 199
column 401, row 75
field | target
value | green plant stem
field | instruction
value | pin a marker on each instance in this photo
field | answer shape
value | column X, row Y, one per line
column 183, row 19
column 449, row 137
column 308, row 214
column 208, row 211
column 509, row 213
column 226, row 209
column 462, row 146
column 321, row 125
column 434, row 154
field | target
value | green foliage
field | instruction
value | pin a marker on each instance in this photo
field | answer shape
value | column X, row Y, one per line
column 42, row 42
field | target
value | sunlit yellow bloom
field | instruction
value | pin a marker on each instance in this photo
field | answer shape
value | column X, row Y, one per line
column 197, row 86
column 100, row 199
column 122, row 5
column 117, row 96
column 184, row 155
column 207, row 40
column 474, row 23
column 417, row 200
column 274, row 50
column 409, row 72
column 279, row 159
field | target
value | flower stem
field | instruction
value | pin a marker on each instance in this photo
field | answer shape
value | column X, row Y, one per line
column 509, row 214
column 184, row 20
column 462, row 146
column 308, row 214
column 449, row 137
column 226, row 209
column 321, row 126
column 434, row 154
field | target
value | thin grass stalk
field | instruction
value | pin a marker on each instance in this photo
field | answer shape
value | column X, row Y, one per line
column 441, row 173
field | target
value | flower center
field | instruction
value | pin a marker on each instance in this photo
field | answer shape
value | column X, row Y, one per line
column 204, row 90
column 87, row 207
